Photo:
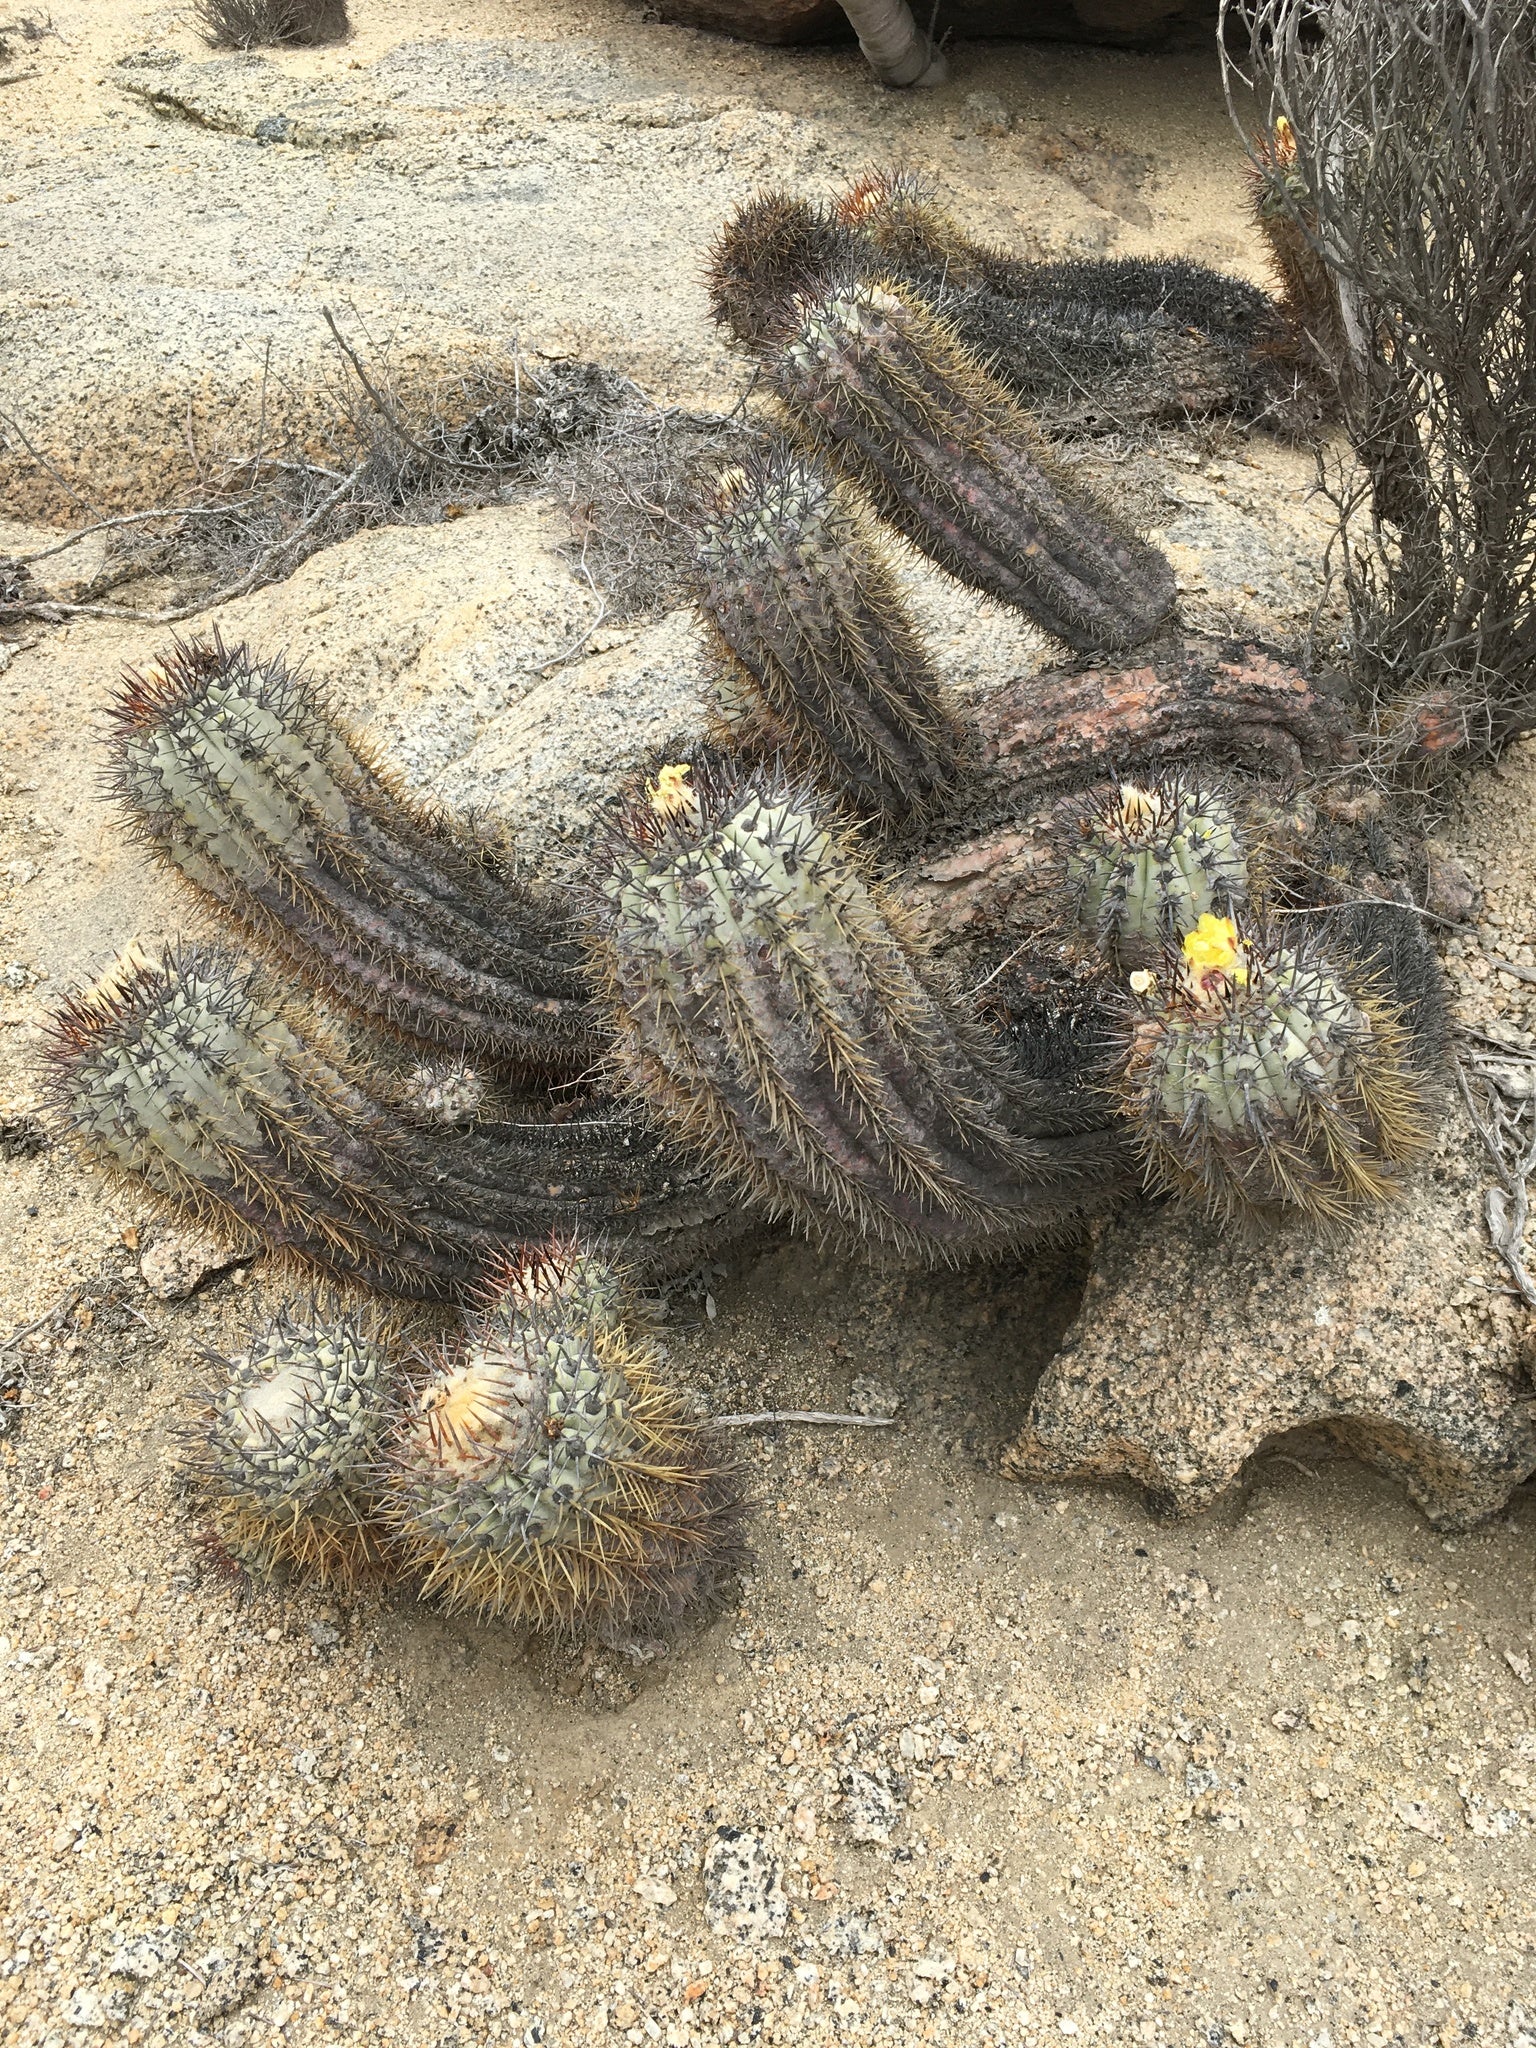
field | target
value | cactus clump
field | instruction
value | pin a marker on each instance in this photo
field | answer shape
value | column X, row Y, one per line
column 771, row 1008
column 236, row 775
column 1266, row 1078
column 804, row 600
column 544, row 1471
column 285, row 1449
column 1087, row 342
column 1147, row 862
column 883, row 388
column 190, row 1077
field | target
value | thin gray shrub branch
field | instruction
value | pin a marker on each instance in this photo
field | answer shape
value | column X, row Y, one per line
column 1397, row 140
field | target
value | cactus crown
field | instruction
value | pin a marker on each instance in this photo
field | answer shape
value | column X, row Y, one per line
column 896, row 215
column 771, row 248
column 806, row 605
column 542, row 1470
column 1147, row 861
column 1269, row 1077
column 285, row 1448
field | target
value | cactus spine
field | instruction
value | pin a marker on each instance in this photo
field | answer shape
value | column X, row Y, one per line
column 1148, row 862
column 543, row 1470
column 236, row 776
column 768, row 1006
column 285, row 1450
column 801, row 595
column 186, row 1075
column 883, row 388
column 1267, row 1078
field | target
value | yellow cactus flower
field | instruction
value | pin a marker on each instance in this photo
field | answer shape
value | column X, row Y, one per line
column 672, row 791
column 1212, row 953
column 1284, row 143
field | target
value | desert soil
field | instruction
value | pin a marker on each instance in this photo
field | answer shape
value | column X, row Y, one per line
column 1004, row 1765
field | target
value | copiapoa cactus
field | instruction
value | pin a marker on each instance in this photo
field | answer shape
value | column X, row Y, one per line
column 189, row 1076
column 1148, row 861
column 543, row 1470
column 1266, row 1078
column 768, row 1005
column 804, row 601
column 236, row 776
column 1088, row 341
column 884, row 390
column 283, row 1454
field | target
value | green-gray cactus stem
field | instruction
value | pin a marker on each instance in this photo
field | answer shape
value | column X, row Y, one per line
column 543, row 1470
column 769, row 1006
column 188, row 1076
column 802, row 596
column 882, row 387
column 1147, row 861
column 1267, row 1078
column 285, row 1449
column 236, row 775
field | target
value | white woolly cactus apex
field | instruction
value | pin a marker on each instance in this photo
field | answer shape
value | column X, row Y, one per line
column 284, row 1451
column 1148, row 861
column 1267, row 1078
column 542, row 1470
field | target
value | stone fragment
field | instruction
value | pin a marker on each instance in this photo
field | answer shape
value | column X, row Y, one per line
column 869, row 1806
column 1192, row 1350
column 743, row 1887
column 179, row 1261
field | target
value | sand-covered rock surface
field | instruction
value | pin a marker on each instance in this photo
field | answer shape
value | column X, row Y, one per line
column 966, row 1761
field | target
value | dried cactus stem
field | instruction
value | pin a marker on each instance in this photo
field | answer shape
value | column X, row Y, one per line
column 885, row 390
column 772, row 1012
column 543, row 1471
column 805, row 603
column 235, row 775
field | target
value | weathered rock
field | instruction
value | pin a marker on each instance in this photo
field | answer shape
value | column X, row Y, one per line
column 179, row 1261
column 1131, row 22
column 1190, row 1352
column 743, row 1888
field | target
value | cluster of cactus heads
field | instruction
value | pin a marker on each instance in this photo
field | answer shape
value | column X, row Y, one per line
column 836, row 677
column 1148, row 861
column 774, row 1041
column 1268, row 1077
column 285, row 1452
column 884, row 390
column 191, row 1076
column 537, row 1467
column 234, row 774
column 769, row 1005
column 543, row 1470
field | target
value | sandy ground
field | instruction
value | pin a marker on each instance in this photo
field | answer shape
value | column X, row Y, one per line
column 1010, row 1766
